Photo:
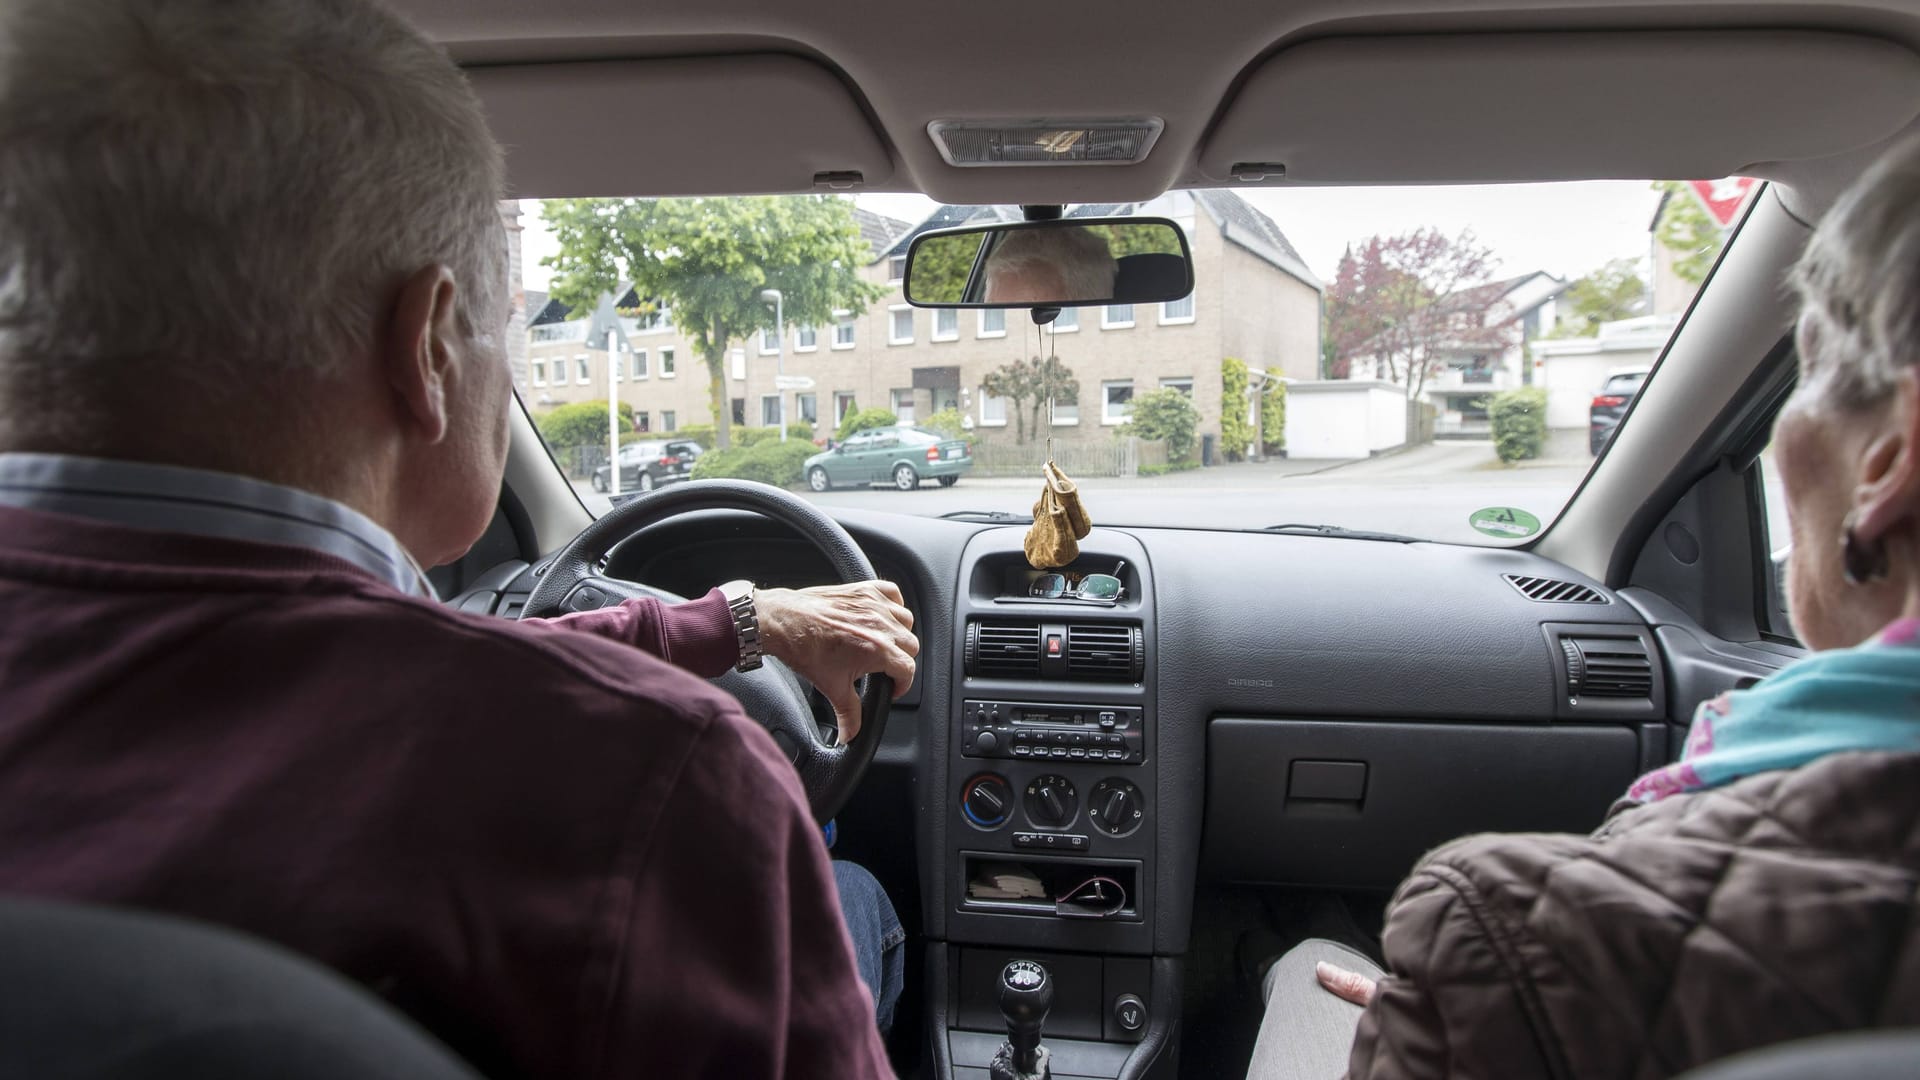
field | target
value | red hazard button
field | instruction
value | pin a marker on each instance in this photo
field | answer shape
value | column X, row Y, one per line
column 1053, row 644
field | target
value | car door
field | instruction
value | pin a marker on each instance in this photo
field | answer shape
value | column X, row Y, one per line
column 850, row 465
column 880, row 458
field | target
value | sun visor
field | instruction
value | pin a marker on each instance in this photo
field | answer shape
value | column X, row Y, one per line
column 721, row 125
column 1566, row 106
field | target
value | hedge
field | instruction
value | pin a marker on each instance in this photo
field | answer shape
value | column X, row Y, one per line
column 1519, row 423
column 768, row 461
column 858, row 420
column 1165, row 414
column 581, row 423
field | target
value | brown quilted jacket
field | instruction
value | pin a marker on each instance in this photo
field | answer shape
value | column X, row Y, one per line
column 1775, row 908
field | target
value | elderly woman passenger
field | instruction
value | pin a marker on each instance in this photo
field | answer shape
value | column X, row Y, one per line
column 1763, row 888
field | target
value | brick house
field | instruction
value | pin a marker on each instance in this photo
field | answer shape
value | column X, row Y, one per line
column 1254, row 299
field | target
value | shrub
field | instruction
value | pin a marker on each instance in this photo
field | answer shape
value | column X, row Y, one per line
column 1519, row 423
column 1273, row 416
column 768, row 461
column 858, row 420
column 580, row 423
column 1165, row 414
column 1169, row 467
column 705, row 435
column 1236, row 432
column 948, row 424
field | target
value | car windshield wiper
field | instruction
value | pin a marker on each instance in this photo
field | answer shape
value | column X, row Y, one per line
column 987, row 515
column 1340, row 533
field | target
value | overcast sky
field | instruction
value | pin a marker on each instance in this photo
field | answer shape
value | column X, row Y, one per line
column 1564, row 229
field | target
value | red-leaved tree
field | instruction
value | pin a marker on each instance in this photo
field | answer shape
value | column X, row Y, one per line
column 1402, row 303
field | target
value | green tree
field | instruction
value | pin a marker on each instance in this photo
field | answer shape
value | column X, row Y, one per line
column 1686, row 229
column 948, row 424
column 582, row 423
column 941, row 266
column 1236, row 432
column 858, row 420
column 1613, row 292
column 1166, row 414
column 707, row 261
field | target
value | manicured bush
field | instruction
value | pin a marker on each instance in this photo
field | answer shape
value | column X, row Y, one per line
column 580, row 423
column 1165, row 414
column 947, row 423
column 858, row 420
column 1519, row 423
column 1236, row 431
column 1273, row 416
column 705, row 435
column 768, row 461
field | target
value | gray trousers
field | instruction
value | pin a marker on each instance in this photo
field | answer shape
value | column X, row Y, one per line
column 1307, row 1033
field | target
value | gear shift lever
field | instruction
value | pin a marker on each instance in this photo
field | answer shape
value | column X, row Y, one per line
column 1025, row 996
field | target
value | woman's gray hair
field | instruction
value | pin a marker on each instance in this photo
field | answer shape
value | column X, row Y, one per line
column 1082, row 257
column 1859, row 282
column 229, row 187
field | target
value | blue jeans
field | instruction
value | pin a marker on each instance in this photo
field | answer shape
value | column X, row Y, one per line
column 879, row 942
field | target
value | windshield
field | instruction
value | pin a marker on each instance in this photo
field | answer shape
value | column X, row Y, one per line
column 1441, row 363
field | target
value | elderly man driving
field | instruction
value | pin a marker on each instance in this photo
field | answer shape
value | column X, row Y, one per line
column 1050, row 265
column 252, row 376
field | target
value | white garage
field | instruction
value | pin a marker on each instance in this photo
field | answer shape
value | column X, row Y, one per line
column 1573, row 369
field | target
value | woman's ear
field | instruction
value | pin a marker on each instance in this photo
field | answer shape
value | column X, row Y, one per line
column 417, row 351
column 1886, row 494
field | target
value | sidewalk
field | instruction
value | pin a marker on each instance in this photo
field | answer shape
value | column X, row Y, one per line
column 1229, row 475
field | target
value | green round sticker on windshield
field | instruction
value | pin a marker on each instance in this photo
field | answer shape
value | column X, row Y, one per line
column 1505, row 522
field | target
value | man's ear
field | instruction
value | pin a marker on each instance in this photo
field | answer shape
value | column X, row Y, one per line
column 1887, row 492
column 417, row 353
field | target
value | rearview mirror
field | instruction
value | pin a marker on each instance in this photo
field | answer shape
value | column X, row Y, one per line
column 1076, row 262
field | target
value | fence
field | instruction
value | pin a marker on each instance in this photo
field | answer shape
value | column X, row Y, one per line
column 578, row 462
column 1120, row 456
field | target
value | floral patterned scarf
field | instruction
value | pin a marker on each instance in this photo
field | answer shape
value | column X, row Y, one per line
column 1863, row 698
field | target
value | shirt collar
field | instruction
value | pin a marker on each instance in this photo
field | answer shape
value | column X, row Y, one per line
column 169, row 498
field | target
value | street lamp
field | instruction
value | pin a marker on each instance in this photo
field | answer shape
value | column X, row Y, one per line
column 773, row 296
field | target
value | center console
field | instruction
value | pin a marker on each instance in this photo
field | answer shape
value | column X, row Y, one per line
column 1049, row 816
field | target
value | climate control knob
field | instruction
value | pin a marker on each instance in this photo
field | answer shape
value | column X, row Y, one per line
column 1115, row 807
column 987, row 800
column 1051, row 801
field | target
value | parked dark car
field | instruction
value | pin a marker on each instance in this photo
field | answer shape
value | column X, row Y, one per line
column 1609, row 405
column 650, row 464
column 901, row 456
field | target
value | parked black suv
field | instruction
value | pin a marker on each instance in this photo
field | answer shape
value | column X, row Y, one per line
column 647, row 465
column 1609, row 405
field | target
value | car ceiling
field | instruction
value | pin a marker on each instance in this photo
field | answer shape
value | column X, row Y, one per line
column 853, row 84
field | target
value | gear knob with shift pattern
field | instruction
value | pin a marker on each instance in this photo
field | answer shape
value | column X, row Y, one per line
column 1025, row 996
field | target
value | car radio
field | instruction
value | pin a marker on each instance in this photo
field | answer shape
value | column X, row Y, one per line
column 1002, row 729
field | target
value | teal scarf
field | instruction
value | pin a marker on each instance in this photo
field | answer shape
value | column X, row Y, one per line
column 1863, row 698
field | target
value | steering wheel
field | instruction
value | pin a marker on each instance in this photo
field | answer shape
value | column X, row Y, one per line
column 772, row 695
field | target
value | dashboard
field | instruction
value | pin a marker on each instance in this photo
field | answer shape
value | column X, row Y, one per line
column 1259, row 708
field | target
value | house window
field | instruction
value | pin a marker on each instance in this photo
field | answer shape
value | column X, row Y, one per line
column 993, row 410
column 669, row 420
column 769, row 342
column 946, row 325
column 582, row 373
column 1066, row 322
column 806, row 339
column 639, row 363
column 843, row 330
column 641, row 422
column 1176, row 312
column 903, row 405
column 1116, row 317
column 900, row 325
column 739, row 359
column 843, row 404
column 993, row 323
column 666, row 363
column 1182, row 383
column 740, row 410
column 1066, row 413
column 769, row 410
column 896, row 268
column 539, row 373
column 1116, row 401
column 808, row 406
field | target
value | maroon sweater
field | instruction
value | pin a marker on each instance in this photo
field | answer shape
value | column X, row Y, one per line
column 565, row 857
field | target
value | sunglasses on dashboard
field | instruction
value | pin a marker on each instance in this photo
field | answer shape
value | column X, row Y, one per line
column 1099, row 588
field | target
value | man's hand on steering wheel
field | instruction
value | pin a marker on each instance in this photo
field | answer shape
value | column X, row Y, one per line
column 832, row 635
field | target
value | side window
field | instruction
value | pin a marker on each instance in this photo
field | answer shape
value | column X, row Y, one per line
column 1776, row 542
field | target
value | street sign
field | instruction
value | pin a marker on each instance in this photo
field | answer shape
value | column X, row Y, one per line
column 1723, row 198
column 793, row 382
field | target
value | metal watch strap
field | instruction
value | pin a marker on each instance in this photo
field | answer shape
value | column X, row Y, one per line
column 746, row 623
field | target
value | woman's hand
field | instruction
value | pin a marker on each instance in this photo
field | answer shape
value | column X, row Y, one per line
column 1343, row 984
column 834, row 634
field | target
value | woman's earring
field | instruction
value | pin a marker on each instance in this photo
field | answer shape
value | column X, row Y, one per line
column 1860, row 561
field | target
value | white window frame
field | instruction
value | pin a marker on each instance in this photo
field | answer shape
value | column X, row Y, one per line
column 778, row 407
column 1107, row 419
column 814, row 331
column 769, row 350
column 667, row 369
column 1178, row 320
column 669, row 420
column 642, row 421
column 893, row 403
column 853, row 402
column 1106, row 317
column 641, row 365
column 950, row 335
column 800, row 412
column 539, row 373
column 737, row 363
column 896, row 263
column 582, row 372
column 893, row 320
column 844, row 320
column 1176, row 382
column 1054, row 327
column 983, row 332
column 1054, row 417
column 988, row 399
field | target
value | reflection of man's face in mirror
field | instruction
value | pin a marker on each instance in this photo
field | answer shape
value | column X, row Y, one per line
column 1050, row 265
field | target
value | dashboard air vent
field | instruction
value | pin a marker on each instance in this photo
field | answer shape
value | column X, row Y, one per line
column 1607, row 667
column 1003, row 650
column 1550, row 591
column 1105, row 651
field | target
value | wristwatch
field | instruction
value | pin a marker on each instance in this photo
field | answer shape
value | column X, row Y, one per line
column 746, row 622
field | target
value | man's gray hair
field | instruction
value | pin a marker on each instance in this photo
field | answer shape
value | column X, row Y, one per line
column 1859, row 281
column 210, row 188
column 1083, row 258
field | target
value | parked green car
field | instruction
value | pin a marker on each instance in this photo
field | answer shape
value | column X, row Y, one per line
column 901, row 456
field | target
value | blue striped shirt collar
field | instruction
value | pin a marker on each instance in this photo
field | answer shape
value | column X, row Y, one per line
column 168, row 498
